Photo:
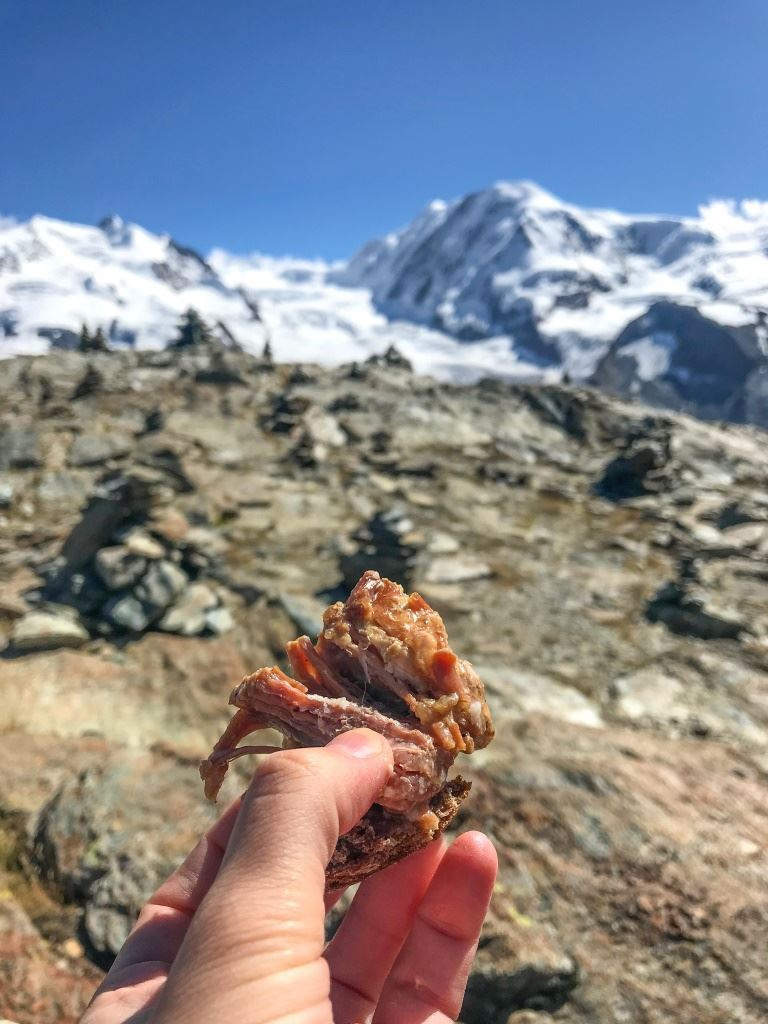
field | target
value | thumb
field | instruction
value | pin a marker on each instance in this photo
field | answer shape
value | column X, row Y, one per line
column 299, row 803
column 266, row 909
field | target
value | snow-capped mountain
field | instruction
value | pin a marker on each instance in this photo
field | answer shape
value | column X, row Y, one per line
column 562, row 281
column 509, row 281
column 56, row 276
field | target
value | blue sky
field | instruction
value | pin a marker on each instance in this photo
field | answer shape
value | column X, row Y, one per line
column 308, row 127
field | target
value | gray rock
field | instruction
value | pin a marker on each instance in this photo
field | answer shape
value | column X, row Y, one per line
column 47, row 630
column 653, row 697
column 6, row 493
column 118, row 568
column 518, row 970
column 323, row 428
column 160, row 586
column 456, row 570
column 307, row 453
column 514, row 693
column 749, row 535
column 128, row 613
column 19, row 448
column 219, row 620
column 638, row 470
column 114, row 899
column 187, row 616
column 59, row 488
column 649, row 693
column 94, row 449
column 306, row 613
column 108, row 850
column 685, row 612
column 442, row 544
column 141, row 544
column 208, row 542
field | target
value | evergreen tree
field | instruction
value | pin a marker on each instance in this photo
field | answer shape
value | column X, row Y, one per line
column 85, row 339
column 96, row 342
column 99, row 341
column 193, row 331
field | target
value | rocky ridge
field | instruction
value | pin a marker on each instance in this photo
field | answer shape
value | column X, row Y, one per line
column 603, row 564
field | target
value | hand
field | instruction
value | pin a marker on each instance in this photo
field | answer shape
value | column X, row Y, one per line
column 236, row 934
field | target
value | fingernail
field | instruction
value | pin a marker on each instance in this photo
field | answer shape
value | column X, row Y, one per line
column 359, row 743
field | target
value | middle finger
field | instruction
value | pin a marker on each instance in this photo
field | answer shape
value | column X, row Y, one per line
column 373, row 931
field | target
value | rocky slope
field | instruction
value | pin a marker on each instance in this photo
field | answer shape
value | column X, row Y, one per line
column 169, row 519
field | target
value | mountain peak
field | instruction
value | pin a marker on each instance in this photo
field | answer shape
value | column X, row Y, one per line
column 116, row 229
column 522, row 191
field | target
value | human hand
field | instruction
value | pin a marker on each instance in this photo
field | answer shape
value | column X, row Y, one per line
column 236, row 934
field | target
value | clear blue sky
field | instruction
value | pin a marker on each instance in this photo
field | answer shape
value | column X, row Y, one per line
column 309, row 126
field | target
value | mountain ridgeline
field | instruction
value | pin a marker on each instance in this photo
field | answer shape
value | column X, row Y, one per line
column 508, row 282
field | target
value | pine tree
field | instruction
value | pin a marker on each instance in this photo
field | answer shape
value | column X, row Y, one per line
column 99, row 341
column 85, row 339
column 96, row 342
column 193, row 331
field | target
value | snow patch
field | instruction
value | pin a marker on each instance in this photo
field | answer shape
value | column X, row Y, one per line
column 652, row 354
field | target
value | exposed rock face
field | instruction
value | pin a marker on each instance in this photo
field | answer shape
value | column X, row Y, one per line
column 107, row 851
column 676, row 357
column 621, row 630
column 619, row 874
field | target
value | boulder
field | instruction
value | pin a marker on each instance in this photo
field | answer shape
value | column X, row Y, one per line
column 639, row 469
column 118, row 568
column 126, row 612
column 682, row 610
column 19, row 448
column 115, row 500
column 306, row 613
column 654, row 697
column 59, row 489
column 47, row 630
column 108, row 850
column 187, row 615
column 162, row 583
column 96, row 449
column 139, row 543
column 219, row 620
column 169, row 524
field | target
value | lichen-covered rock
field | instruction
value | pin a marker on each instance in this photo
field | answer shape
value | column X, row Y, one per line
column 109, row 851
